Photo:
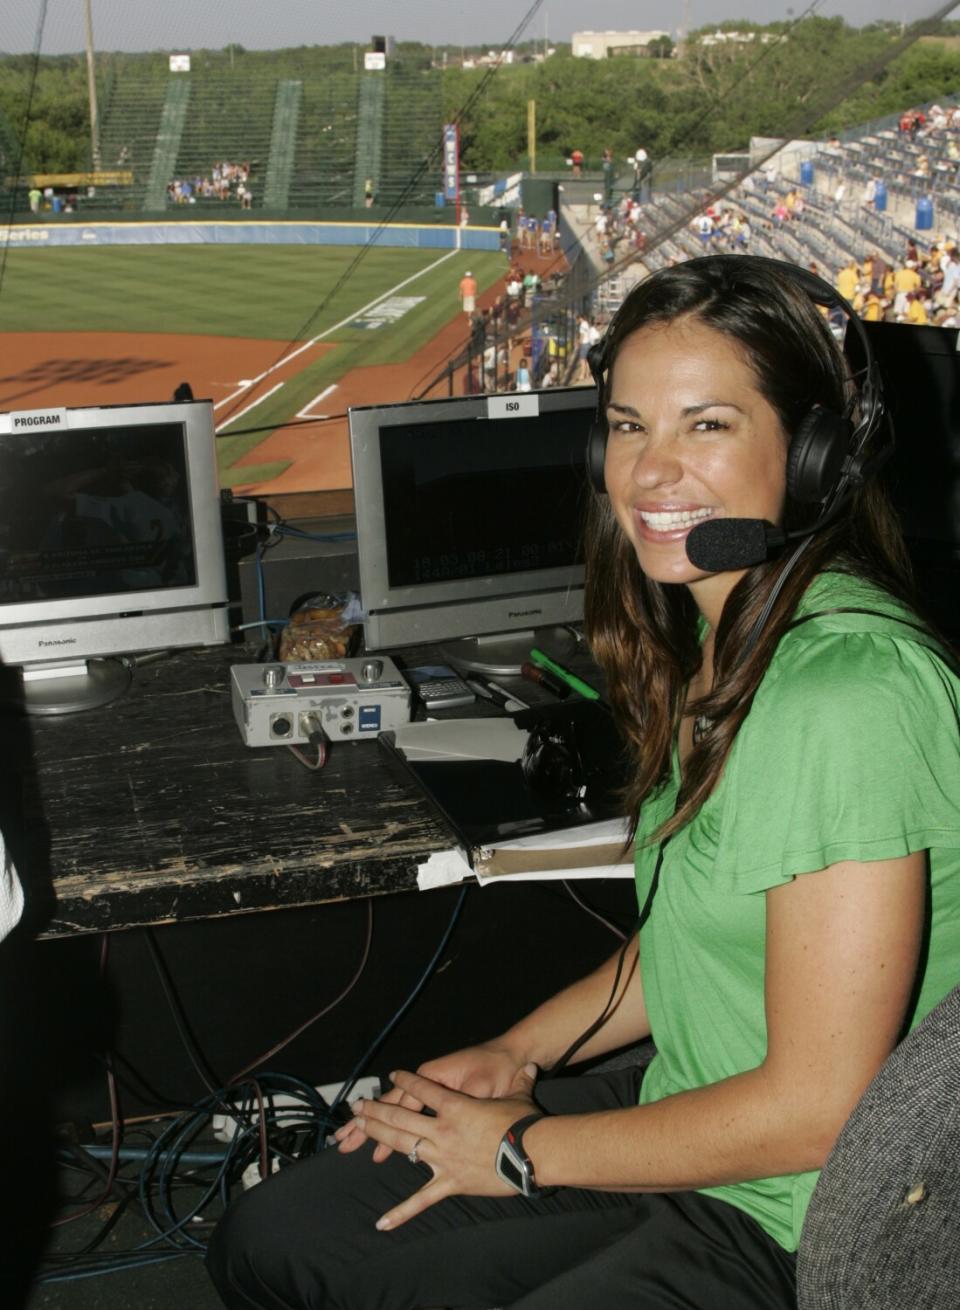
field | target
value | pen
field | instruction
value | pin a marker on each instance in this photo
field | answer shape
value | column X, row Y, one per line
column 544, row 679
column 492, row 691
column 558, row 671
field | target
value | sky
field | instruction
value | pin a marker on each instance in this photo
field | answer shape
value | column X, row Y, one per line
column 269, row 24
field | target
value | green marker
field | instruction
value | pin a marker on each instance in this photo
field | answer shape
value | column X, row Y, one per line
column 577, row 684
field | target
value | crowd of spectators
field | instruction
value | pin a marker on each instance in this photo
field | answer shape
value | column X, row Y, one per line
column 618, row 229
column 505, row 356
column 922, row 287
column 225, row 181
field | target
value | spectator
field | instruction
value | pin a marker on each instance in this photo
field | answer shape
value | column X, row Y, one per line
column 576, row 159
column 583, row 348
column 521, row 379
column 950, row 266
column 35, row 195
column 468, row 292
column 847, row 279
column 917, row 309
column 906, row 281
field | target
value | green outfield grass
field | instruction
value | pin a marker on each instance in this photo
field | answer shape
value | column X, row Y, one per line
column 228, row 291
column 262, row 292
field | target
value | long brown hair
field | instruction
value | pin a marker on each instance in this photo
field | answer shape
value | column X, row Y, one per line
column 644, row 634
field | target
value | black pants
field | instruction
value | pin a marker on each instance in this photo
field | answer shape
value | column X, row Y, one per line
column 306, row 1239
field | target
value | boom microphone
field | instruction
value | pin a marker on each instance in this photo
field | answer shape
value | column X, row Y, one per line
column 719, row 545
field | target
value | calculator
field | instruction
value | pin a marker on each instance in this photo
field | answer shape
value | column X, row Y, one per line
column 439, row 687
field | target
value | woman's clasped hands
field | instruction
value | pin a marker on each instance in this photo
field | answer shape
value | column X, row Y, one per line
column 450, row 1116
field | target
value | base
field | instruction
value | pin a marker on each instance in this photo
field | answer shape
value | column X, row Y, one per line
column 104, row 681
column 502, row 654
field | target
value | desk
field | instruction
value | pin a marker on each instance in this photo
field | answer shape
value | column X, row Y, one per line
column 156, row 811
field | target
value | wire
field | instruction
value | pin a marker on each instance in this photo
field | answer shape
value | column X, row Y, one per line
column 594, row 914
column 178, row 1014
column 384, row 1033
column 321, row 743
column 111, row 1173
column 302, row 1028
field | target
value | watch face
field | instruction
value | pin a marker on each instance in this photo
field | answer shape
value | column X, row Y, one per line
column 509, row 1169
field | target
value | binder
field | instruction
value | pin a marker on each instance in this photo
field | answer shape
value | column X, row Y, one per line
column 491, row 804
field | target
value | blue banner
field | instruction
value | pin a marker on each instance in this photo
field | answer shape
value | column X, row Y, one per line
column 439, row 237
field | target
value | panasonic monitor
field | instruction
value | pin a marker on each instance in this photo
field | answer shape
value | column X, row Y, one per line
column 469, row 523
column 920, row 370
column 110, row 544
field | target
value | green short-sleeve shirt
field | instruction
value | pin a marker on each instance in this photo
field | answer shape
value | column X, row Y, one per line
column 850, row 751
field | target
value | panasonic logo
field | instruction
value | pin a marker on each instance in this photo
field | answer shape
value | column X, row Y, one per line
column 58, row 641
column 522, row 614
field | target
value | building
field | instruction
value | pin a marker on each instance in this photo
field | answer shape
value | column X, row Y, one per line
column 598, row 45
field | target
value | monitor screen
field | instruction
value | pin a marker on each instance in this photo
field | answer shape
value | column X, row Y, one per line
column 470, row 515
column 110, row 542
column 106, row 514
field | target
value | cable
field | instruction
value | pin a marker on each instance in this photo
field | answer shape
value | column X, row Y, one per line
column 388, row 1028
column 302, row 1028
column 321, row 741
column 594, row 914
column 194, row 1054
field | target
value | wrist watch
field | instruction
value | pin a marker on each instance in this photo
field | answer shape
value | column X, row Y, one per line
column 514, row 1166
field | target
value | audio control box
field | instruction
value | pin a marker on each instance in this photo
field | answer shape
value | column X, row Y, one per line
column 350, row 699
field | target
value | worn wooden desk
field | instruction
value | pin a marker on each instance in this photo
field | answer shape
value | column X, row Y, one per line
column 152, row 810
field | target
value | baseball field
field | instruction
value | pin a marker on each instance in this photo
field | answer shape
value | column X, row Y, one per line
column 282, row 339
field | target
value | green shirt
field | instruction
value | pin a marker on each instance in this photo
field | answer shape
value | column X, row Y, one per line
column 850, row 751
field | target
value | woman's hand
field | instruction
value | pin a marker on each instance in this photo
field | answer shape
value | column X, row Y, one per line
column 487, row 1071
column 458, row 1140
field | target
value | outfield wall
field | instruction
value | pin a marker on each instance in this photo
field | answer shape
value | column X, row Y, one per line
column 407, row 235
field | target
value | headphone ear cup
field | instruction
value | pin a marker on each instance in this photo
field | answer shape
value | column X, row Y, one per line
column 597, row 455
column 815, row 459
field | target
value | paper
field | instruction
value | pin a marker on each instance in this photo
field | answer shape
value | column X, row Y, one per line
column 461, row 739
column 443, row 869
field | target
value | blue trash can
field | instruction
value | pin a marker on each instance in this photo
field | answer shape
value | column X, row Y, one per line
column 924, row 214
column 56, row 204
column 880, row 197
column 806, row 172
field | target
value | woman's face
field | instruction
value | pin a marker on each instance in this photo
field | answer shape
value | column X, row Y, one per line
column 691, row 437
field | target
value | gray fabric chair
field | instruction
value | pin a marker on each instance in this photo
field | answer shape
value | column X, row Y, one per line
column 883, row 1228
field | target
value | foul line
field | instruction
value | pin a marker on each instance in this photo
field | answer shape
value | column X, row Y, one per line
column 319, row 337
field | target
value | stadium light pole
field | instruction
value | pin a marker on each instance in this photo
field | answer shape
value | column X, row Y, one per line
column 92, row 90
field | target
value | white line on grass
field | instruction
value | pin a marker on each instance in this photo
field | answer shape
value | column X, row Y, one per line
column 253, row 404
column 305, row 412
column 319, row 337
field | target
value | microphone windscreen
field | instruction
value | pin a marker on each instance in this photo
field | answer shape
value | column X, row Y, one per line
column 721, row 544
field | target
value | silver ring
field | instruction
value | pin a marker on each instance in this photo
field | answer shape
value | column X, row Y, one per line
column 412, row 1155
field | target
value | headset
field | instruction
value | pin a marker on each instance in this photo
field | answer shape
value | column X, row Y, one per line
column 827, row 458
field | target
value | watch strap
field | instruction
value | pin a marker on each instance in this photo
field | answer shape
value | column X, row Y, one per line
column 512, row 1141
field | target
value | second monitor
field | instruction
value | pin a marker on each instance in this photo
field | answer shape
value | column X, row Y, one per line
column 470, row 521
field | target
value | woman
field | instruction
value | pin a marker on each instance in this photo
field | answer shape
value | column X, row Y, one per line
column 798, row 862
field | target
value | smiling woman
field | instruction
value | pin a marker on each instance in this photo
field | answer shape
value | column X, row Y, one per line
column 692, row 437
column 797, row 865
